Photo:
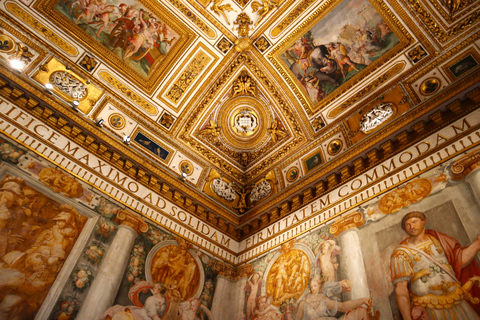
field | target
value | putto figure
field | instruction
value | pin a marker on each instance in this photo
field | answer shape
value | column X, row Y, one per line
column 433, row 274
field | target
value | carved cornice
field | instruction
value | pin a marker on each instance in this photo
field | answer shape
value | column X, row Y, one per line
column 114, row 151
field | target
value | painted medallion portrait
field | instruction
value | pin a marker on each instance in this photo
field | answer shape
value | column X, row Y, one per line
column 177, row 269
column 336, row 49
column 124, row 27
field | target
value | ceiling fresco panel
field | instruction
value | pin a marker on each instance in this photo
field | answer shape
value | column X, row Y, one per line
column 324, row 58
column 142, row 51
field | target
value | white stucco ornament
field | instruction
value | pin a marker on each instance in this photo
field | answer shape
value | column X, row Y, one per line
column 376, row 117
column 223, row 189
column 260, row 191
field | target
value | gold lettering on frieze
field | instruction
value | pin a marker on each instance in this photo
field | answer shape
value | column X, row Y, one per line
column 50, row 35
column 199, row 62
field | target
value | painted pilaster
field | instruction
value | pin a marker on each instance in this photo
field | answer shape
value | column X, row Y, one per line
column 351, row 257
column 474, row 180
column 107, row 282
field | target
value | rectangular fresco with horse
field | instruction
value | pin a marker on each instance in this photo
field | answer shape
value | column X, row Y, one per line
column 335, row 50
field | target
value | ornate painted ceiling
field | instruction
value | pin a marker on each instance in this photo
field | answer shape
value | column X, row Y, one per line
column 241, row 111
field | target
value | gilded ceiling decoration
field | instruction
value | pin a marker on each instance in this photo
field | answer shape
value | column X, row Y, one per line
column 241, row 111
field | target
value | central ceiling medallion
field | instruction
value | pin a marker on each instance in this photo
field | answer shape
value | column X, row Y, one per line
column 245, row 122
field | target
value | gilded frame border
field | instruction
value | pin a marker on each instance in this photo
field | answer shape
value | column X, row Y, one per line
column 174, row 78
column 156, row 74
column 470, row 51
column 148, row 135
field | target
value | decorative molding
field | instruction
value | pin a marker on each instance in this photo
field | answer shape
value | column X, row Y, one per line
column 128, row 93
column 192, row 17
column 353, row 220
column 465, row 165
column 188, row 76
column 294, row 14
column 38, row 26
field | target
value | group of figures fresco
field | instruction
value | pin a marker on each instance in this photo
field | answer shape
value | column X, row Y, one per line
column 124, row 27
column 434, row 277
column 36, row 236
column 335, row 50
column 297, row 289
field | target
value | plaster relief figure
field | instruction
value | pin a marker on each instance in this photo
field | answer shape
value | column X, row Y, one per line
column 327, row 260
column 376, row 117
column 223, row 189
column 317, row 305
column 433, row 275
column 260, row 191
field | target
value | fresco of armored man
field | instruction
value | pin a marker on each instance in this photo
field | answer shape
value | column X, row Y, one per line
column 433, row 275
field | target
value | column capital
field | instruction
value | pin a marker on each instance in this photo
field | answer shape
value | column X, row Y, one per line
column 353, row 220
column 466, row 164
column 130, row 219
